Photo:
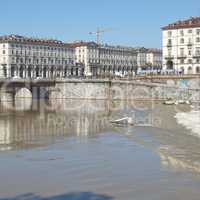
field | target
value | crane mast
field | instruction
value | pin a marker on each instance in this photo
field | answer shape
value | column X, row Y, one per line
column 98, row 34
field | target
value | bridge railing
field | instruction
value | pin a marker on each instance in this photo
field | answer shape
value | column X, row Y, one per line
column 136, row 77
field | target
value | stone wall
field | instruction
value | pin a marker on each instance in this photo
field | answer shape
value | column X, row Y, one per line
column 82, row 90
column 122, row 90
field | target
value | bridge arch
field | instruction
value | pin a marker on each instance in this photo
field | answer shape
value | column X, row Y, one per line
column 23, row 99
column 16, row 99
column 23, row 93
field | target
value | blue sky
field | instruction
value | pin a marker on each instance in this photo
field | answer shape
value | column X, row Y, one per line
column 134, row 23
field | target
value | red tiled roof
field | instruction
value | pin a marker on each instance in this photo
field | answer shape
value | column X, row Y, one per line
column 82, row 43
column 33, row 41
column 193, row 22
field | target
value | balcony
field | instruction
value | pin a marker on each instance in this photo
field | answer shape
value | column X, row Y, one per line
column 197, row 55
column 182, row 56
column 169, row 57
column 169, row 45
column 189, row 44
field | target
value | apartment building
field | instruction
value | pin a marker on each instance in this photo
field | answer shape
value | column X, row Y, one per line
column 25, row 57
column 31, row 58
column 149, row 60
column 105, row 59
column 154, row 58
column 181, row 46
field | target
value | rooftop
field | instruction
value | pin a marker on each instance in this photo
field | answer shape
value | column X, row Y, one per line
column 31, row 40
column 106, row 46
column 82, row 43
column 154, row 50
column 192, row 22
column 52, row 42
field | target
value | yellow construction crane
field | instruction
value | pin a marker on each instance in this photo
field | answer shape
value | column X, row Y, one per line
column 98, row 33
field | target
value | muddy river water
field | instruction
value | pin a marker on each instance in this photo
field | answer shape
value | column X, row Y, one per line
column 73, row 152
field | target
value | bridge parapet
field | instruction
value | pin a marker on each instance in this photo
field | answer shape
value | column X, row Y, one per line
column 114, row 89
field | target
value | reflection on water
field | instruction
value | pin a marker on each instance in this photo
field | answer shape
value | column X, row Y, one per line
column 178, row 162
column 81, row 151
column 26, row 129
column 28, row 125
column 156, row 127
column 173, row 137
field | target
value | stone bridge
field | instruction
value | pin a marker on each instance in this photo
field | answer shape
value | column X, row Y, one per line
column 12, row 89
column 97, row 89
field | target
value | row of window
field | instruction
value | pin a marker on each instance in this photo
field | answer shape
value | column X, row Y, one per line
column 112, row 61
column 182, row 41
column 117, row 54
column 16, row 52
column 117, row 57
column 183, row 32
column 190, row 61
column 109, row 62
column 94, row 54
column 107, row 56
column 197, row 51
column 61, row 54
column 41, row 61
column 109, row 51
column 40, row 47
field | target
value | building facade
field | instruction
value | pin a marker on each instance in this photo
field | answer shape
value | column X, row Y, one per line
column 149, row 60
column 31, row 58
column 181, row 47
column 141, row 57
column 154, row 58
column 24, row 57
column 105, row 60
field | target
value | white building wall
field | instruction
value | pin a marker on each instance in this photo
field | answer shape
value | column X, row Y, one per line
column 184, row 50
column 101, row 57
column 16, row 54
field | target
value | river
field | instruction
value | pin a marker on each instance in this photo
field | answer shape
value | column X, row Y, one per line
column 73, row 152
